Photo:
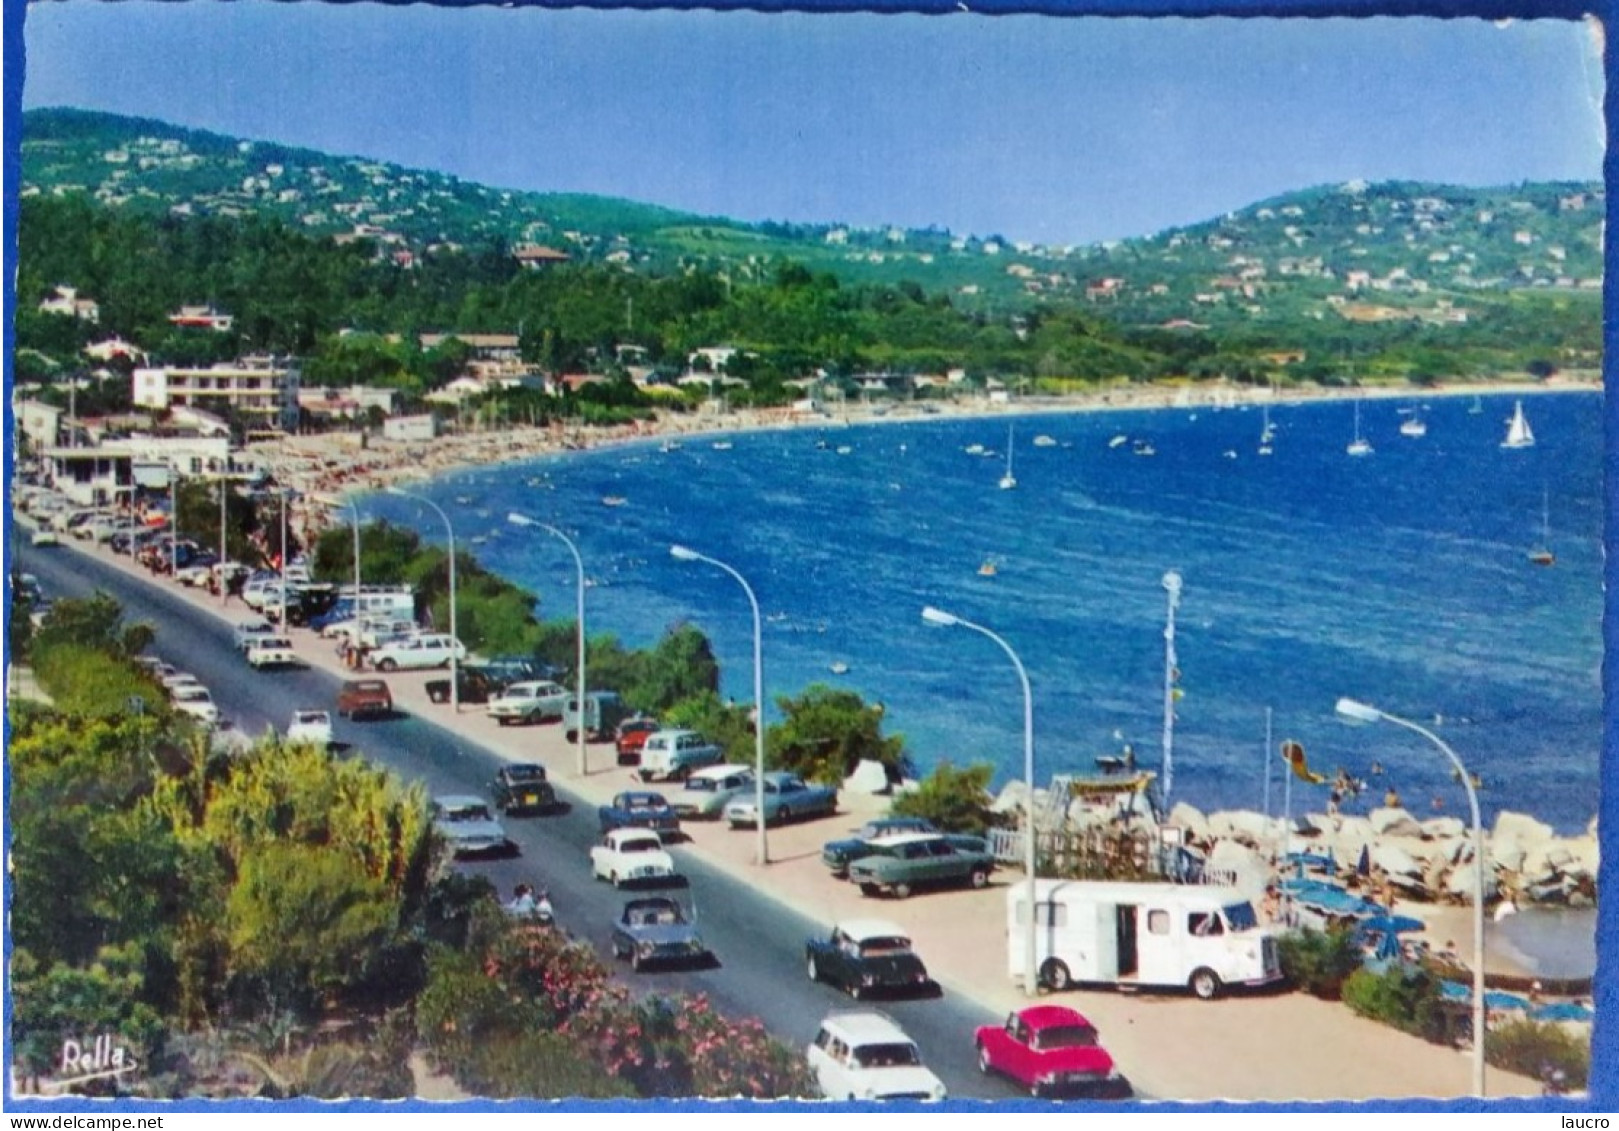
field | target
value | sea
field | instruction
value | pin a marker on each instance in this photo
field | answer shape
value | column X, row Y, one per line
column 1400, row 578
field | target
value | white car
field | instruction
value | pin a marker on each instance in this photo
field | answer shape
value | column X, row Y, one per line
column 271, row 652
column 194, row 700
column 45, row 537
column 311, row 726
column 530, row 701
column 672, row 754
column 248, row 631
column 627, row 856
column 865, row 1055
column 429, row 650
column 175, row 681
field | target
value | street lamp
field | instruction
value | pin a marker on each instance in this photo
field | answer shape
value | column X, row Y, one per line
column 224, row 585
column 579, row 565
column 1355, row 711
column 285, row 494
column 681, row 553
column 455, row 639
column 1031, row 982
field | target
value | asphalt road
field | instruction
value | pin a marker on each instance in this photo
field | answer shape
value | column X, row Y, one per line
column 759, row 944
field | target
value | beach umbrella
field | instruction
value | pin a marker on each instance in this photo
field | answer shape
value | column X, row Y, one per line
column 1562, row 1011
column 1500, row 999
column 1363, row 867
column 1394, row 924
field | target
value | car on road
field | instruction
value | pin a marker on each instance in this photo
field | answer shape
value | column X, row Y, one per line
column 364, row 698
column 271, row 652
column 173, row 681
column 468, row 828
column 531, row 701
column 247, row 631
column 705, row 793
column 900, row 864
column 309, row 725
column 631, row 736
column 837, row 855
column 865, row 1055
column 655, row 930
column 194, row 700
column 867, row 956
column 672, row 754
column 476, row 686
column 44, row 537
column 631, row 856
column 521, row 787
column 427, row 650
column 787, row 798
column 639, row 809
column 1053, row 1051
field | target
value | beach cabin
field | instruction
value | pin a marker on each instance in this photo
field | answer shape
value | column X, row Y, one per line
column 1130, row 935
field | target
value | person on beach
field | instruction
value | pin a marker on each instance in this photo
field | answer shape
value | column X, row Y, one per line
column 1391, row 799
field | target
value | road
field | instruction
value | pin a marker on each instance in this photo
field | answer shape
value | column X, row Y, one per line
column 758, row 941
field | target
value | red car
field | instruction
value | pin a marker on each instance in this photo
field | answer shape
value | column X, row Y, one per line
column 1052, row 1051
column 632, row 735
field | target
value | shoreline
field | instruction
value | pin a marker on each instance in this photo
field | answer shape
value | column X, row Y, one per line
column 313, row 464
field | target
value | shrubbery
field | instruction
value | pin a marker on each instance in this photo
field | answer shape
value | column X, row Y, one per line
column 1319, row 962
column 956, row 800
column 1533, row 1048
column 1405, row 997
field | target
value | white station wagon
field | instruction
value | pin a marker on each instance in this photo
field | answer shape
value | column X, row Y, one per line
column 865, row 1055
column 429, row 650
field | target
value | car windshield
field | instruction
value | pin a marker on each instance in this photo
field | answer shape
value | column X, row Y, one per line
column 466, row 813
column 900, row 1054
column 666, row 916
column 524, row 774
column 881, row 948
column 1240, row 916
column 640, row 844
column 644, row 803
column 191, row 695
column 311, row 717
column 1065, row 1037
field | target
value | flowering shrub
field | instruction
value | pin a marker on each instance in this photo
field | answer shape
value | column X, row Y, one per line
column 560, row 978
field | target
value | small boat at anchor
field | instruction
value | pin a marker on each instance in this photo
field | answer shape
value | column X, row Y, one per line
column 1519, row 434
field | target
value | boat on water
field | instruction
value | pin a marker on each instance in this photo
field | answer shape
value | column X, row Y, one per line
column 988, row 569
column 1145, row 448
column 844, row 449
column 613, row 500
column 722, row 445
column 1008, row 481
column 1414, row 426
column 1519, row 434
column 1118, row 440
column 838, row 667
column 670, row 446
column 1359, row 446
column 974, row 449
column 1476, row 408
column 1542, row 554
column 1044, row 442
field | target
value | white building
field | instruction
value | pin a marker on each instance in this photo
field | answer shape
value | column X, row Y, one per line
column 423, row 427
column 66, row 301
column 263, row 391
column 98, row 476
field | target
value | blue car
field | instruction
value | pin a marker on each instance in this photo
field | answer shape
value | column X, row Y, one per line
column 639, row 809
column 788, row 797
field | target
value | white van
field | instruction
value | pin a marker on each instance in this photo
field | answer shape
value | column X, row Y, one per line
column 1138, row 935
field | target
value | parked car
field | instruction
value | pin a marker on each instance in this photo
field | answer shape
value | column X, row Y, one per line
column 476, row 686
column 364, row 698
column 271, row 652
column 787, row 798
column 428, row 650
column 837, row 855
column 901, row 864
column 1052, row 1051
column 639, row 809
column 705, row 793
column 468, row 828
column 531, row 701
column 194, row 700
column 310, row 726
column 173, row 681
column 603, row 711
column 248, row 631
column 672, row 754
column 626, row 856
column 656, row 930
column 508, row 670
column 521, row 787
column 375, row 632
column 44, row 537
column 865, row 1055
column 865, row 956
column 631, row 736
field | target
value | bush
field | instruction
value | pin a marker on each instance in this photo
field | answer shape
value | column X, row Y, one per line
column 1533, row 1048
column 956, row 800
column 1319, row 962
column 1406, row 998
column 826, row 732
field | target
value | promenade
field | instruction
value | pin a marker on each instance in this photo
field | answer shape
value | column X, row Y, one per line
column 1274, row 1047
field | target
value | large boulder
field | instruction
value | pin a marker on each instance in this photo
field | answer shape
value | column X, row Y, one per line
column 1506, row 854
column 1243, row 825
column 1011, row 797
column 1396, row 861
column 1520, row 827
column 868, row 777
column 1462, row 883
column 1183, row 816
column 1250, row 868
column 1444, row 828
column 1395, row 823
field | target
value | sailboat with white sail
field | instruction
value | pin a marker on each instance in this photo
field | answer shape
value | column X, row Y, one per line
column 1008, row 481
column 1267, row 433
column 1359, row 446
column 1519, row 434
column 1542, row 554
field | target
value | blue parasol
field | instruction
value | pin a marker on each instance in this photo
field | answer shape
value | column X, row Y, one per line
column 1562, row 1011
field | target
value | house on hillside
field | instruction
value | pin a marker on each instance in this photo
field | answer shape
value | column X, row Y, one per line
column 202, row 318
column 66, row 301
column 534, row 255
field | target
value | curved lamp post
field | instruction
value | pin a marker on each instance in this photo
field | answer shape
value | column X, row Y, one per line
column 449, row 531
column 579, row 565
column 1031, row 982
column 1355, row 711
column 681, row 553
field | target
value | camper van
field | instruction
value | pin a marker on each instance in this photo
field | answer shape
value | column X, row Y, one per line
column 1131, row 935
column 604, row 710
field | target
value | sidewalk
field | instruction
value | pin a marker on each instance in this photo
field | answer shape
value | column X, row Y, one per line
column 1265, row 1047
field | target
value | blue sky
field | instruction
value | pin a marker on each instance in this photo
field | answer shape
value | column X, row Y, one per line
column 1039, row 128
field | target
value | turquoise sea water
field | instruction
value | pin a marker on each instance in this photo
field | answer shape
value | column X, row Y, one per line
column 1400, row 578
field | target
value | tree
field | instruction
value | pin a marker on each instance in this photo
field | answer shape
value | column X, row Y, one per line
column 956, row 800
column 827, row 732
column 681, row 666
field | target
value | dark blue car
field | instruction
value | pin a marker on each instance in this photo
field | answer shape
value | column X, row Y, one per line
column 639, row 809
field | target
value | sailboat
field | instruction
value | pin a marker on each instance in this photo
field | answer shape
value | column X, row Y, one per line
column 1476, row 407
column 1358, row 446
column 1413, row 425
column 1519, row 434
column 1008, row 481
column 1542, row 554
column 1266, row 433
